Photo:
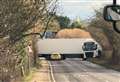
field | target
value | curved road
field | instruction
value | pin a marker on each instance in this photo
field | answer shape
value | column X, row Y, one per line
column 75, row 70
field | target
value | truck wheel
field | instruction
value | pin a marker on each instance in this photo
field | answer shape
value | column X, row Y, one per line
column 83, row 58
column 63, row 57
column 48, row 57
column 99, row 54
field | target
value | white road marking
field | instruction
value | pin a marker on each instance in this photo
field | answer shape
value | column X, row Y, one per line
column 51, row 73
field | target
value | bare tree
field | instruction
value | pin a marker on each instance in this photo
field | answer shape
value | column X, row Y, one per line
column 17, row 18
column 20, row 16
column 113, row 37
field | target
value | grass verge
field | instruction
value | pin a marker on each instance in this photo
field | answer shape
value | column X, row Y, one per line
column 28, row 77
column 105, row 63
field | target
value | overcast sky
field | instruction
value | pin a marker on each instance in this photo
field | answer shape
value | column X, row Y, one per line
column 81, row 8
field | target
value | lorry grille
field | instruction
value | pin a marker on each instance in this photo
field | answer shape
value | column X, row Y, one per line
column 89, row 54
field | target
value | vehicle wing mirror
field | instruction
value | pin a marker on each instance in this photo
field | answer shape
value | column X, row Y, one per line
column 112, row 13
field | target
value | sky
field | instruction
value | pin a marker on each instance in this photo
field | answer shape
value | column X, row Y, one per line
column 84, row 9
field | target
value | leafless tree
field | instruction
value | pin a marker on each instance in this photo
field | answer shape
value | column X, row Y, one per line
column 113, row 37
column 17, row 17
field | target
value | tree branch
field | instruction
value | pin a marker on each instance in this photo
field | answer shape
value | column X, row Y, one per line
column 29, row 34
column 49, row 19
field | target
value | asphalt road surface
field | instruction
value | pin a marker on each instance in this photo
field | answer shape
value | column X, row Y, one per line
column 75, row 70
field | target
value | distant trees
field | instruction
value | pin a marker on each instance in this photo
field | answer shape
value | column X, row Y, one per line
column 66, row 22
column 76, row 24
column 63, row 21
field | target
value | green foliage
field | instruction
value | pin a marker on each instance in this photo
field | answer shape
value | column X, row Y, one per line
column 76, row 24
column 63, row 21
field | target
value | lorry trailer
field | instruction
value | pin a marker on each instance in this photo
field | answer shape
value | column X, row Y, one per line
column 68, row 48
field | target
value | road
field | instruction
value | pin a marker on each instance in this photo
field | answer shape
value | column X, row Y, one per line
column 75, row 70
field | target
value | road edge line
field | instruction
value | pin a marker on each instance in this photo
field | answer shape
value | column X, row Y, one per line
column 51, row 73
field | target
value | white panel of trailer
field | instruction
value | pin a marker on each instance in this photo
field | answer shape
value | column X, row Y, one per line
column 62, row 46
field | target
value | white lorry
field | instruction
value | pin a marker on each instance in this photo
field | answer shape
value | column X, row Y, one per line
column 63, row 48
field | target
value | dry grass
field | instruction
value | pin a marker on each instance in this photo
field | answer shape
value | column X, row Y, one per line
column 39, row 75
column 105, row 63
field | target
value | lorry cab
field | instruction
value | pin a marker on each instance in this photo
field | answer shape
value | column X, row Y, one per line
column 88, row 46
column 91, row 49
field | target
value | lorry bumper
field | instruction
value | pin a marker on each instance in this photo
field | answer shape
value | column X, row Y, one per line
column 89, row 54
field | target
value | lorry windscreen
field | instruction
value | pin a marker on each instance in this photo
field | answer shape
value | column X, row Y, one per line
column 50, row 34
column 88, row 46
